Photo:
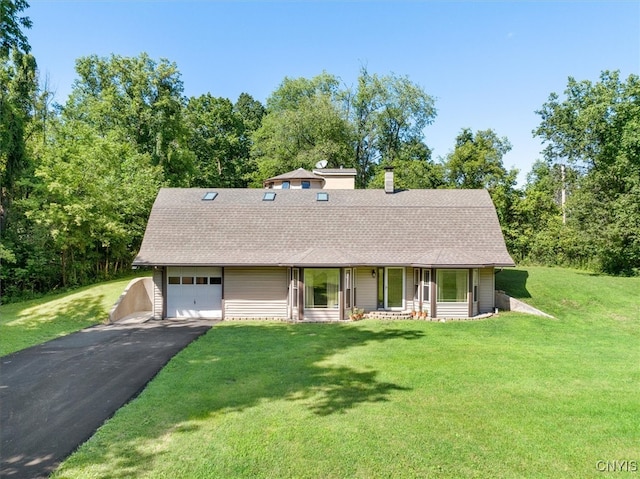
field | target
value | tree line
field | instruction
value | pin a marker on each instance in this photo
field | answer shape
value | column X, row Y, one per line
column 78, row 179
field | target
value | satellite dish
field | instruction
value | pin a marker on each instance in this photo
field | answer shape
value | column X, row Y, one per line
column 321, row 164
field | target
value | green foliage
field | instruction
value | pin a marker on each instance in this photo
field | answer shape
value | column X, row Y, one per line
column 298, row 138
column 93, row 197
column 476, row 163
column 142, row 99
column 596, row 128
column 17, row 88
column 308, row 120
column 293, row 93
column 413, row 169
column 12, row 36
column 387, row 114
column 215, row 137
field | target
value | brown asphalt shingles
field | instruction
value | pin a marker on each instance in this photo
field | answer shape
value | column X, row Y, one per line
column 423, row 228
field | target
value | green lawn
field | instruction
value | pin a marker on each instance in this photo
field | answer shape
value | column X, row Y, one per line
column 511, row 396
column 33, row 322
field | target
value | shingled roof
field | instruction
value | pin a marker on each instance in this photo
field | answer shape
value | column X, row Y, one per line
column 300, row 174
column 423, row 228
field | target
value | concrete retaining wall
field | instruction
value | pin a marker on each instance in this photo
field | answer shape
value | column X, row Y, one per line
column 507, row 303
column 136, row 298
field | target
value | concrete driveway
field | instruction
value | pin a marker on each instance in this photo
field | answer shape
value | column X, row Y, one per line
column 55, row 395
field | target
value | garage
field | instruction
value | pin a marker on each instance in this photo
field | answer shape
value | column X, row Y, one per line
column 194, row 292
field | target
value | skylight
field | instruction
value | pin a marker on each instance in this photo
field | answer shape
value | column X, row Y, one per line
column 322, row 196
column 269, row 196
column 209, row 196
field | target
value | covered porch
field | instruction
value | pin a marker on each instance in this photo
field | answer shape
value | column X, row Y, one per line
column 334, row 294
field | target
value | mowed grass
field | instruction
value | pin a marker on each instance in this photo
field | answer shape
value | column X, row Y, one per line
column 33, row 322
column 511, row 396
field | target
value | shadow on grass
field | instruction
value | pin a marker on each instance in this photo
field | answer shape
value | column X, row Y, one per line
column 513, row 282
column 239, row 366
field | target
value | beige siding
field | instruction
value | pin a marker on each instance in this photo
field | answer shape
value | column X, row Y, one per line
column 366, row 289
column 158, row 296
column 486, row 290
column 452, row 310
column 255, row 293
column 321, row 314
column 339, row 183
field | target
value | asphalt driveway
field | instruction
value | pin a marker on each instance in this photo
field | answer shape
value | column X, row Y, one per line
column 55, row 395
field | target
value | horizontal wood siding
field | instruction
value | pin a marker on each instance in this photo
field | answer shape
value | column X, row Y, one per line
column 452, row 310
column 321, row 314
column 486, row 290
column 158, row 295
column 255, row 293
column 366, row 289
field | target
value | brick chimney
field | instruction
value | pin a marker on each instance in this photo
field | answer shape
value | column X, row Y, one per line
column 388, row 179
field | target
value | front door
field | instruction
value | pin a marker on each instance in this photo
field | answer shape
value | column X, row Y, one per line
column 395, row 288
column 391, row 288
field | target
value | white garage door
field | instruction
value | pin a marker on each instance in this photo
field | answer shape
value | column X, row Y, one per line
column 194, row 292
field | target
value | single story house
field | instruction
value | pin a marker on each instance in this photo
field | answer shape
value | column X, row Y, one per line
column 315, row 254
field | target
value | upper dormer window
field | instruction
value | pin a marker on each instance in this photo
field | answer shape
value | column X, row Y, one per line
column 306, row 185
column 286, row 185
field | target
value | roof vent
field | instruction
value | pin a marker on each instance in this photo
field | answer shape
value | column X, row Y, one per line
column 209, row 196
column 269, row 196
column 388, row 179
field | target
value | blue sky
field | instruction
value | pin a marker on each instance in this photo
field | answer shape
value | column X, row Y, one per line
column 487, row 64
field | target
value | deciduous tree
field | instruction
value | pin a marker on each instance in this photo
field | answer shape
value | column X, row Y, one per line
column 142, row 99
column 596, row 128
column 386, row 113
column 304, row 126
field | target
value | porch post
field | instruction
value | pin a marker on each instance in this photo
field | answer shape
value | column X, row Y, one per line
column 432, row 293
column 301, row 295
column 341, row 303
column 222, row 294
column 470, row 293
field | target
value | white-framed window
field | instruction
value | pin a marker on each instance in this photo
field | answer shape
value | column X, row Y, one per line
column 321, row 286
column 453, row 285
column 348, row 288
column 426, row 285
column 416, row 285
